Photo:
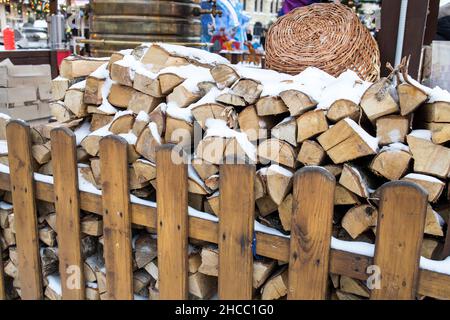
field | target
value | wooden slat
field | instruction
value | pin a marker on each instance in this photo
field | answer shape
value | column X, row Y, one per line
column 237, row 210
column 67, row 205
column 387, row 37
column 431, row 284
column 25, row 218
column 116, row 218
column 172, row 212
column 401, row 221
column 2, row 281
column 312, row 222
column 446, row 249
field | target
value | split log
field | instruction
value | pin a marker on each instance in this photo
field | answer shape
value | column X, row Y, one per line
column 143, row 102
column 286, row 130
column 74, row 101
column 204, row 169
column 179, row 132
column 253, row 125
column 224, row 75
column 210, row 261
column 285, row 212
column 92, row 225
column 59, row 87
column 41, row 153
column 48, row 236
column 356, row 287
column 391, row 163
column 266, row 206
column 355, row 180
column 99, row 121
column 440, row 132
column 93, row 91
column 144, row 170
column 310, row 124
column 410, row 98
column 148, row 84
column 77, row 67
column 276, row 287
column 429, row 158
column 433, row 186
column 203, row 112
column 145, row 250
column 311, row 153
column 122, row 124
column 278, row 183
column 120, row 96
column 392, row 129
column 436, row 112
column 377, row 101
column 248, row 89
column 261, row 271
column 277, row 151
column 121, row 73
column 183, row 97
column 297, row 102
column 342, row 109
column 168, row 82
column 160, row 58
column 229, row 98
column 359, row 219
column 347, row 141
column 433, row 223
column 211, row 149
column 60, row 112
column 267, row 106
column 202, row 286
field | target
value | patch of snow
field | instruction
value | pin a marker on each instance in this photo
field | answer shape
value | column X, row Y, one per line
column 199, row 55
column 395, row 147
column 5, row 205
column 78, row 86
column 82, row 132
column 5, row 116
column 421, row 134
column 280, row 170
column 268, row 230
column 3, row 147
column 176, row 112
column 395, row 135
column 130, row 137
column 363, row 248
column 102, row 72
column 54, row 282
column 193, row 175
column 423, row 177
column 102, row 132
column 143, row 116
column 154, row 131
column 208, row 98
column 107, row 107
column 192, row 74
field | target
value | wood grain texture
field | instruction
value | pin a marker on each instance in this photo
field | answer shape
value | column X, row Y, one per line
column 172, row 213
column 67, row 206
column 401, row 222
column 2, row 281
column 237, row 210
column 446, row 249
column 23, row 196
column 116, row 218
column 431, row 284
column 310, row 246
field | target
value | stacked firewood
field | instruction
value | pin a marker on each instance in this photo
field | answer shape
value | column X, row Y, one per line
column 365, row 134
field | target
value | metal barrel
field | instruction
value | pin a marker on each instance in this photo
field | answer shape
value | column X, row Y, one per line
column 144, row 21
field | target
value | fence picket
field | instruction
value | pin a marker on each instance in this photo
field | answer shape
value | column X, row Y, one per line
column 116, row 218
column 2, row 281
column 172, row 200
column 401, row 221
column 310, row 246
column 237, row 211
column 23, row 197
column 65, row 175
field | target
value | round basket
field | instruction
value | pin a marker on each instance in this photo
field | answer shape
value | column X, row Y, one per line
column 326, row 36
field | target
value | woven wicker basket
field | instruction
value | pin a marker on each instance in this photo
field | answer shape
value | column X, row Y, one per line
column 326, row 36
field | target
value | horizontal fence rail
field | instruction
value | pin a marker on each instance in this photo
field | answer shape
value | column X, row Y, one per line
column 308, row 251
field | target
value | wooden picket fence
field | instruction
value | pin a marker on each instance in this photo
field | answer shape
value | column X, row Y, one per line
column 397, row 252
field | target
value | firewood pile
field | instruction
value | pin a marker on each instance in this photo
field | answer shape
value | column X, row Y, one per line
column 365, row 134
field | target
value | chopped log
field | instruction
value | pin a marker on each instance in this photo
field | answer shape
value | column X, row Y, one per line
column 207, row 111
column 152, row 269
column 48, row 236
column 277, row 151
column 267, row 106
column 343, row 196
column 391, row 163
column 224, row 75
column 433, row 186
column 429, row 158
column 355, row 180
column 261, row 271
column 146, row 144
column 436, row 112
column 377, row 101
column 204, row 169
column 194, row 260
column 93, row 91
column 141, row 280
column 429, row 248
column 51, row 220
column 286, row 130
column 346, row 296
column 276, row 287
column 214, row 203
column 285, row 212
column 347, row 141
column 148, row 84
column 433, row 223
column 116, row 56
column 212, row 183
column 195, row 200
column 342, row 109
column 74, row 101
column 41, row 153
column 60, row 112
column 120, row 96
column 260, row 184
column 310, row 124
column 392, row 129
column 297, row 102
column 254, row 126
column 356, row 287
column 334, row 169
column 249, row 90
column 210, row 261
column 59, row 87
column 440, row 132
column 47, row 128
column 77, row 66
column 266, row 206
column 202, row 286
column 121, row 73
column 87, row 174
column 179, row 132
column 410, row 98
column 144, row 170
column 11, row 270
column 146, row 250
column 133, row 180
column 143, row 102
column 359, row 219
column 92, row 225
column 278, row 183
column 311, row 153
column 211, row 149
column 229, row 98
column 160, row 58
column 169, row 81
column 122, row 124
column 183, row 97
column 158, row 116
column 99, row 121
